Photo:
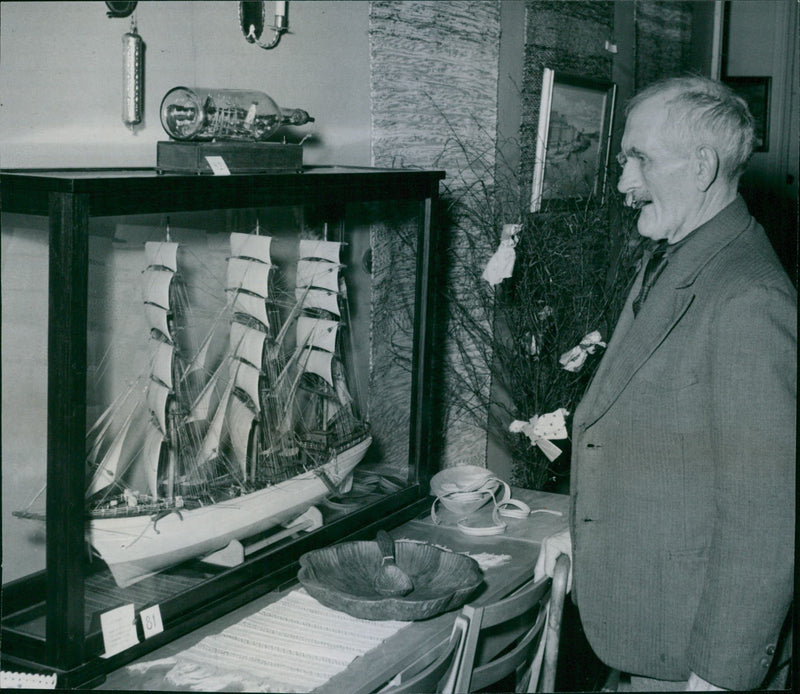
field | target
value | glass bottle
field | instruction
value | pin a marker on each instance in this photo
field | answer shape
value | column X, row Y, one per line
column 224, row 114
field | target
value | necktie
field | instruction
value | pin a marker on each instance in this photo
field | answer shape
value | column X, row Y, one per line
column 655, row 265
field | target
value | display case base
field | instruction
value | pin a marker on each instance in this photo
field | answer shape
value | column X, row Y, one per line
column 238, row 157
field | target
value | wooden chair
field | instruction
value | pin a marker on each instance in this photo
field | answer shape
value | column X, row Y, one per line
column 436, row 671
column 512, row 635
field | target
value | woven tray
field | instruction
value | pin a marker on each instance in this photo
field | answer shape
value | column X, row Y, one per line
column 341, row 577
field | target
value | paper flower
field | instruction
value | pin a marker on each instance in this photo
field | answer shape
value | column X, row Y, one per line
column 501, row 264
column 540, row 429
column 574, row 359
column 532, row 345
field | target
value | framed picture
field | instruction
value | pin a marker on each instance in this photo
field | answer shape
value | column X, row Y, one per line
column 573, row 139
column 756, row 92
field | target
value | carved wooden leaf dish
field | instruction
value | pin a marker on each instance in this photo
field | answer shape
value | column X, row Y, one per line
column 342, row 577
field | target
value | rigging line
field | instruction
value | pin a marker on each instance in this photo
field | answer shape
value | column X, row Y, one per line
column 189, row 308
column 120, row 472
column 113, row 407
column 102, row 365
column 290, row 362
column 215, row 427
column 38, row 494
column 284, row 425
column 212, row 383
column 206, row 341
column 213, row 276
column 296, row 308
column 356, row 405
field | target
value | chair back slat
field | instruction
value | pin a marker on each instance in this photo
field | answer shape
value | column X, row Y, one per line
column 553, row 629
column 506, row 637
column 520, row 614
column 518, row 603
column 438, row 668
column 504, row 665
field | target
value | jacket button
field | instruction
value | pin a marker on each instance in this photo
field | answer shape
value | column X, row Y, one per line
column 765, row 662
column 770, row 649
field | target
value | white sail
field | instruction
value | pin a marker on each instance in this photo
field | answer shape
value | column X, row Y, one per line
column 151, row 453
column 156, row 284
column 102, row 422
column 318, row 298
column 156, row 398
column 161, row 363
column 162, row 254
column 156, row 317
column 312, row 273
column 247, row 379
column 200, row 359
column 316, row 362
column 315, row 248
column 93, row 452
column 248, row 276
column 208, row 399
column 317, row 332
column 98, row 435
column 342, row 392
column 252, row 306
column 240, row 422
column 108, row 469
column 247, row 344
column 251, row 246
column 213, row 437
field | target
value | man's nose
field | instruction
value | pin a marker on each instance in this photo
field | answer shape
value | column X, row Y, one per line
column 627, row 179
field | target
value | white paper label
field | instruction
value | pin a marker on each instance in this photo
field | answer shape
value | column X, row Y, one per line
column 151, row 621
column 218, row 166
column 119, row 629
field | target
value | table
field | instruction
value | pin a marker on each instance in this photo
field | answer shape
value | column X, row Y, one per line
column 519, row 544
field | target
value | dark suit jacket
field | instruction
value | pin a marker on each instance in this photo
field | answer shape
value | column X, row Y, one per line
column 683, row 469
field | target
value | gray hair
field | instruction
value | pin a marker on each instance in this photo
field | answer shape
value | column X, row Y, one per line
column 705, row 111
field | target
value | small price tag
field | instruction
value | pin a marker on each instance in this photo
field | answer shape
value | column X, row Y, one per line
column 218, row 166
column 119, row 630
column 151, row 621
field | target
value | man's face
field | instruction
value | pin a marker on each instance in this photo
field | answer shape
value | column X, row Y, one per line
column 656, row 177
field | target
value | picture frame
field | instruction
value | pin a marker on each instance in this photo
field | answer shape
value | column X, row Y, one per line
column 756, row 91
column 573, row 139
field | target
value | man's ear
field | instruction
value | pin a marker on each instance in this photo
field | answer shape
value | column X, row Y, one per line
column 706, row 166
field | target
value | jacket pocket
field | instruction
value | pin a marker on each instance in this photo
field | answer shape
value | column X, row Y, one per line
column 676, row 405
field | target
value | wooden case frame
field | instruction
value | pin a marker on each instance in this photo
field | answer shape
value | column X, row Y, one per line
column 70, row 198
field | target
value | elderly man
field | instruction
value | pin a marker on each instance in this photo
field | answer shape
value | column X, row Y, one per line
column 683, row 467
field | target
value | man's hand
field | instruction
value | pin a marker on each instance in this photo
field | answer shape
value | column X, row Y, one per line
column 698, row 684
column 552, row 547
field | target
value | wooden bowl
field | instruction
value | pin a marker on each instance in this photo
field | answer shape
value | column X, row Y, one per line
column 342, row 576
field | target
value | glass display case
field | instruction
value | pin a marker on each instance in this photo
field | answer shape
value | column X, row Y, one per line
column 203, row 377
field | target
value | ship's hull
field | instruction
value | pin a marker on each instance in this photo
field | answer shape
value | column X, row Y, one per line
column 136, row 547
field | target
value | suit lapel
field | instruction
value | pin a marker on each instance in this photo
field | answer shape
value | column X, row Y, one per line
column 627, row 355
column 635, row 340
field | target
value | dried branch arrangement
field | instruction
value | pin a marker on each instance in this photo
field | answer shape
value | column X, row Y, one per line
column 571, row 273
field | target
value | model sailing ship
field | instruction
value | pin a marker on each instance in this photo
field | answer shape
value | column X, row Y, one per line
column 203, row 457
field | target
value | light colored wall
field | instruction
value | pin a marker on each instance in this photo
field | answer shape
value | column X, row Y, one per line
column 61, row 76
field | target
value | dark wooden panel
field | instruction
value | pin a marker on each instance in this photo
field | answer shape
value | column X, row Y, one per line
column 66, row 426
column 144, row 191
column 239, row 157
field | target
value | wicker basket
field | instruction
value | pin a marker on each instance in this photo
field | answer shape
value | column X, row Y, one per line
column 342, row 576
